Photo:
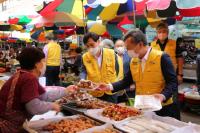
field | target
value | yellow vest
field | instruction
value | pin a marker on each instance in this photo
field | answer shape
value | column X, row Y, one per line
column 54, row 54
column 151, row 80
column 105, row 74
column 170, row 49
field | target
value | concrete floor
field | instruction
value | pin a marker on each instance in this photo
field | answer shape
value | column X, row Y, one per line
column 190, row 117
column 186, row 115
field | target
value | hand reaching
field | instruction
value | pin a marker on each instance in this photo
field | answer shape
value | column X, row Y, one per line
column 103, row 87
column 160, row 97
column 71, row 89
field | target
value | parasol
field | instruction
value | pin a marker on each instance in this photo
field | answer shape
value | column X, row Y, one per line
column 58, row 18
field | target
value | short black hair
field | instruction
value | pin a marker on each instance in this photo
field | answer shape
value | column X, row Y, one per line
column 162, row 25
column 137, row 36
column 29, row 57
column 89, row 35
column 78, row 50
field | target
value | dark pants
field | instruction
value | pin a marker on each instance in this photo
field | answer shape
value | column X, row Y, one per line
column 52, row 75
column 171, row 110
column 109, row 98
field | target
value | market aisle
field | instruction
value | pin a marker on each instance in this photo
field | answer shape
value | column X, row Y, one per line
column 187, row 116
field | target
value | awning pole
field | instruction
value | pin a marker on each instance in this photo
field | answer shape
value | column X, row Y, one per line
column 134, row 14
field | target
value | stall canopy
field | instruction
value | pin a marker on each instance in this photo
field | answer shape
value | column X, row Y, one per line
column 57, row 18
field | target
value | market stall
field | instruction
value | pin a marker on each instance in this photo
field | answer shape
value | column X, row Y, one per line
column 91, row 115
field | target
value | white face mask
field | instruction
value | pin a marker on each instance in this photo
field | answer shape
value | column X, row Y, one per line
column 43, row 70
column 132, row 54
column 120, row 50
column 94, row 51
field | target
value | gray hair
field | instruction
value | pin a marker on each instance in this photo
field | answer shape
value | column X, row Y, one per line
column 107, row 42
column 136, row 35
column 50, row 36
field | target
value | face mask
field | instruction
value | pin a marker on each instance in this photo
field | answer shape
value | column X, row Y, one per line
column 93, row 51
column 120, row 50
column 132, row 54
column 43, row 70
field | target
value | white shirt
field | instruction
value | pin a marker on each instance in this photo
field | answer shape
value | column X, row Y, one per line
column 145, row 58
column 99, row 59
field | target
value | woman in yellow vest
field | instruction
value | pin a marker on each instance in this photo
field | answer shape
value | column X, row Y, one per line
column 171, row 48
column 151, row 70
column 99, row 65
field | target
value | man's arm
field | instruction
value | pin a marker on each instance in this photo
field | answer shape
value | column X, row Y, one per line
column 169, row 76
column 83, row 74
column 124, row 83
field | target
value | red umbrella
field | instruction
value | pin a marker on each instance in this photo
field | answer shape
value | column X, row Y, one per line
column 140, row 7
column 50, row 7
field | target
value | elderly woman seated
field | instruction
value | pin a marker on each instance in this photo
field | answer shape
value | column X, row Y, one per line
column 22, row 96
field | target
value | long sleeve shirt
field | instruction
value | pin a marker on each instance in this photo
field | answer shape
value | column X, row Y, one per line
column 44, row 102
column 168, row 74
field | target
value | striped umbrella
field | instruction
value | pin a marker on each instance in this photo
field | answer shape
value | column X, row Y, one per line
column 106, row 9
column 97, row 28
column 74, row 7
column 168, row 8
column 109, row 12
column 58, row 18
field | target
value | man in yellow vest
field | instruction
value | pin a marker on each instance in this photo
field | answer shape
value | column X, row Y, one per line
column 171, row 48
column 151, row 70
column 99, row 65
column 52, row 52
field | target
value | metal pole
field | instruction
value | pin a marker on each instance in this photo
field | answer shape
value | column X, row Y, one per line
column 83, row 17
column 134, row 14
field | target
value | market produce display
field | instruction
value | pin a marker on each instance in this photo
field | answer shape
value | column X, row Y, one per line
column 70, row 125
column 93, row 104
column 76, row 96
column 119, row 113
column 143, row 125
